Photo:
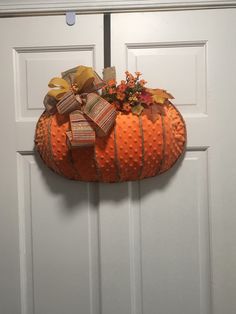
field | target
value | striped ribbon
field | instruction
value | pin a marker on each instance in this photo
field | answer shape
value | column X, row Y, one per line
column 69, row 103
column 82, row 130
column 101, row 112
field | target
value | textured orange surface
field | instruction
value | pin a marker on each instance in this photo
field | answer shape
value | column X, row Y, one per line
column 136, row 147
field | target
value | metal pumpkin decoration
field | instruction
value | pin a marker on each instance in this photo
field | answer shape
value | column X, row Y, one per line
column 98, row 130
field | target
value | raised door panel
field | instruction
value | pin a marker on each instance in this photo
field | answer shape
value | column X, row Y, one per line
column 175, row 239
column 58, row 224
column 179, row 67
column 35, row 66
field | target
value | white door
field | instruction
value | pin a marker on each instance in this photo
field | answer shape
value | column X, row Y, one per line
column 48, row 226
column 164, row 245
column 183, row 224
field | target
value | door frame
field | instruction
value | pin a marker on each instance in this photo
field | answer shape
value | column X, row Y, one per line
column 44, row 7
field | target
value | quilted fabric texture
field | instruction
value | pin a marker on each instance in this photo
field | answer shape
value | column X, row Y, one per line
column 136, row 147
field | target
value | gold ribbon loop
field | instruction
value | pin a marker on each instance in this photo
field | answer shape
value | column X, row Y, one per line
column 84, row 78
column 89, row 112
column 59, row 87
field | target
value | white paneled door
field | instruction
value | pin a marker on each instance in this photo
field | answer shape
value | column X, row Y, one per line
column 185, row 221
column 165, row 245
column 48, row 225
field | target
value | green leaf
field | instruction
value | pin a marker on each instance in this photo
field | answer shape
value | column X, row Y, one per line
column 137, row 110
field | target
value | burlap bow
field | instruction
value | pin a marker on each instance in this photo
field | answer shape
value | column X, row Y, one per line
column 75, row 94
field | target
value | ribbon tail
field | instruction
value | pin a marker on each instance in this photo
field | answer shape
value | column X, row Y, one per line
column 82, row 132
column 101, row 112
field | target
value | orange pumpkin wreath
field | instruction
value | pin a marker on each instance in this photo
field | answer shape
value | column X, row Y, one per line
column 98, row 130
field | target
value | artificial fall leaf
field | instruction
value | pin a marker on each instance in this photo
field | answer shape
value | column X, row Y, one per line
column 137, row 110
column 154, row 111
column 158, row 99
column 146, row 98
column 160, row 93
